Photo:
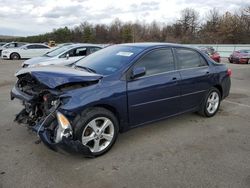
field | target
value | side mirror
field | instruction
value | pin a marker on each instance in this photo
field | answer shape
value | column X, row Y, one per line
column 138, row 72
column 67, row 56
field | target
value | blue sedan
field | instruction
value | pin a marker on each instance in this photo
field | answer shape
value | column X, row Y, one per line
column 84, row 107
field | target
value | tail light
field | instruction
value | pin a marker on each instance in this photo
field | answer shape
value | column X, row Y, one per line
column 229, row 72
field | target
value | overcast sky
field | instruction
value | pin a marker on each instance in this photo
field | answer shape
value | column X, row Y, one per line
column 30, row 17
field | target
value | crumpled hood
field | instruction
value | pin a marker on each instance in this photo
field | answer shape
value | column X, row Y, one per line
column 36, row 60
column 53, row 76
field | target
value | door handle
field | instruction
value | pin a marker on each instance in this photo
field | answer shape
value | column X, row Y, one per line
column 207, row 72
column 174, row 78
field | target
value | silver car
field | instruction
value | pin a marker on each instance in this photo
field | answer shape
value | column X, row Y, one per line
column 63, row 56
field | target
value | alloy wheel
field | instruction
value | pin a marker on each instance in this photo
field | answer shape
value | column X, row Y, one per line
column 98, row 134
column 213, row 102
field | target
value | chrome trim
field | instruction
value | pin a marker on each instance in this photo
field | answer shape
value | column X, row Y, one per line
column 154, row 101
column 206, row 66
column 193, row 93
column 195, row 67
column 168, row 98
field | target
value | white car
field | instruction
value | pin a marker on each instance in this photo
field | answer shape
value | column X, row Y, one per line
column 25, row 51
column 63, row 56
column 11, row 45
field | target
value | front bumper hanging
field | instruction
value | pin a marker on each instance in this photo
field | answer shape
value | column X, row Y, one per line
column 65, row 142
column 64, row 134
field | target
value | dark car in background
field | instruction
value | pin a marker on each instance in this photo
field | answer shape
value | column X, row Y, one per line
column 240, row 56
column 83, row 108
column 210, row 51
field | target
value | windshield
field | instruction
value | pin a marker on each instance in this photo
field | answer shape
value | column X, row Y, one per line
column 58, row 51
column 109, row 60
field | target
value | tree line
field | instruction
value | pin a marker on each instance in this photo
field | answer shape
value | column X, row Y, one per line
column 229, row 28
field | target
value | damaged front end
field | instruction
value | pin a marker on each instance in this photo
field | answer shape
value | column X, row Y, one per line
column 41, row 112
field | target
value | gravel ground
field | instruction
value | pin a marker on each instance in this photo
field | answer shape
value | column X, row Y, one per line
column 184, row 151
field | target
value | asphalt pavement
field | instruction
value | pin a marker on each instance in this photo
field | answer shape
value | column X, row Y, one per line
column 184, row 151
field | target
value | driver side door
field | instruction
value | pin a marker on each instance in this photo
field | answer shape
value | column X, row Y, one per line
column 156, row 94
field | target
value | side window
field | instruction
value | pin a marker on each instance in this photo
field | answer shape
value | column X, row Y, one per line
column 41, row 47
column 93, row 49
column 70, row 52
column 35, row 46
column 157, row 61
column 12, row 45
column 189, row 59
column 31, row 47
column 81, row 52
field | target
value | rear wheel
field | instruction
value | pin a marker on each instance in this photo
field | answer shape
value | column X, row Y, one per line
column 14, row 56
column 97, row 128
column 211, row 103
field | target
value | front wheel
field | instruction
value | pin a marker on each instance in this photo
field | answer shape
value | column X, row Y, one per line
column 211, row 103
column 97, row 128
column 14, row 56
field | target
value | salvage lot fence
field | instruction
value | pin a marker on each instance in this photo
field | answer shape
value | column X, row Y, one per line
column 225, row 49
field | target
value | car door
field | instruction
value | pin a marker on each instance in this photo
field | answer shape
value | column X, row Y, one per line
column 28, row 51
column 195, row 77
column 156, row 94
column 40, row 50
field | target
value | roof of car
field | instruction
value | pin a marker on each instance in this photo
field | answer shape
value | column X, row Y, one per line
column 153, row 44
column 35, row 44
column 83, row 44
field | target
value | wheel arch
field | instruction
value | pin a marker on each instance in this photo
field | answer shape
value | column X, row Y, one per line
column 111, row 109
column 219, row 87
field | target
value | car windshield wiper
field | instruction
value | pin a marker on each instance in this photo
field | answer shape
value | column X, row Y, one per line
column 85, row 68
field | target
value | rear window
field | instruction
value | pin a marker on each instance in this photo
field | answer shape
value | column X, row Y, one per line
column 189, row 59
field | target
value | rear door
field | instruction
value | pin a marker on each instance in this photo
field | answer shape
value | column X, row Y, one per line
column 29, row 51
column 35, row 50
column 155, row 95
column 41, row 49
column 195, row 77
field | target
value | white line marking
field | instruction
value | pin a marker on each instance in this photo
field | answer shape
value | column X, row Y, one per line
column 244, row 105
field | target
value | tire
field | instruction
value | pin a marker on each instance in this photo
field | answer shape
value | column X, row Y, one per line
column 88, row 130
column 209, row 109
column 15, row 56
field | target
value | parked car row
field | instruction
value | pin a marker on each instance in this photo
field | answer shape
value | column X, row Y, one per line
column 25, row 51
column 19, row 50
column 210, row 51
column 82, row 108
column 10, row 45
column 64, row 55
